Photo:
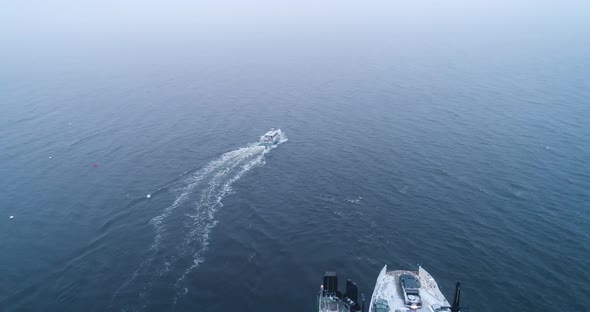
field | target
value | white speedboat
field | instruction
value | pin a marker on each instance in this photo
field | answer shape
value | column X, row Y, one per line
column 272, row 137
column 409, row 291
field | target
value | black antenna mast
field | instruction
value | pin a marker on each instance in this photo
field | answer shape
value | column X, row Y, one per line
column 456, row 307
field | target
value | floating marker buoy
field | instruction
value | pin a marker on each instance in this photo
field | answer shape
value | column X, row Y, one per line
column 149, row 195
column 11, row 217
column 95, row 165
column 50, row 157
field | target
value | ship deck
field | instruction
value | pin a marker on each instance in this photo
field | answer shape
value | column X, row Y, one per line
column 328, row 304
column 388, row 288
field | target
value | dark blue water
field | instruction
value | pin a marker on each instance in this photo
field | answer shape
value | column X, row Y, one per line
column 454, row 135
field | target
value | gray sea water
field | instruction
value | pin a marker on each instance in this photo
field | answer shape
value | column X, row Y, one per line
column 452, row 134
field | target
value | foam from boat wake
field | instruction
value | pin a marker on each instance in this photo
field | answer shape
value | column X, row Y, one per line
column 283, row 138
column 202, row 221
column 182, row 229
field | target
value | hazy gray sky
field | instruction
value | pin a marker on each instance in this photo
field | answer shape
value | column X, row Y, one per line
column 88, row 18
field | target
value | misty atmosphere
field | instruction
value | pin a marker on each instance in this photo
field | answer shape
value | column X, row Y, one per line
column 220, row 156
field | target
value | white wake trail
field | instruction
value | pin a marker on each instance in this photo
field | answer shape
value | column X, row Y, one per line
column 210, row 184
column 202, row 220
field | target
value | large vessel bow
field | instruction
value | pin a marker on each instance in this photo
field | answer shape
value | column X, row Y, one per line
column 409, row 291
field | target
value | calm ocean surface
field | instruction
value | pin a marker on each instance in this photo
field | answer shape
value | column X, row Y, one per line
column 452, row 135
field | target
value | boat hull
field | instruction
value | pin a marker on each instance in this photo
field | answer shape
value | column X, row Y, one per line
column 268, row 144
column 389, row 292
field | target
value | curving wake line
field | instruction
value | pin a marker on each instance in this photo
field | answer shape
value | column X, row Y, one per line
column 182, row 229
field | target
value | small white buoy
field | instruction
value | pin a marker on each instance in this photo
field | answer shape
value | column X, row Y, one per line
column 149, row 196
column 11, row 217
column 50, row 157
